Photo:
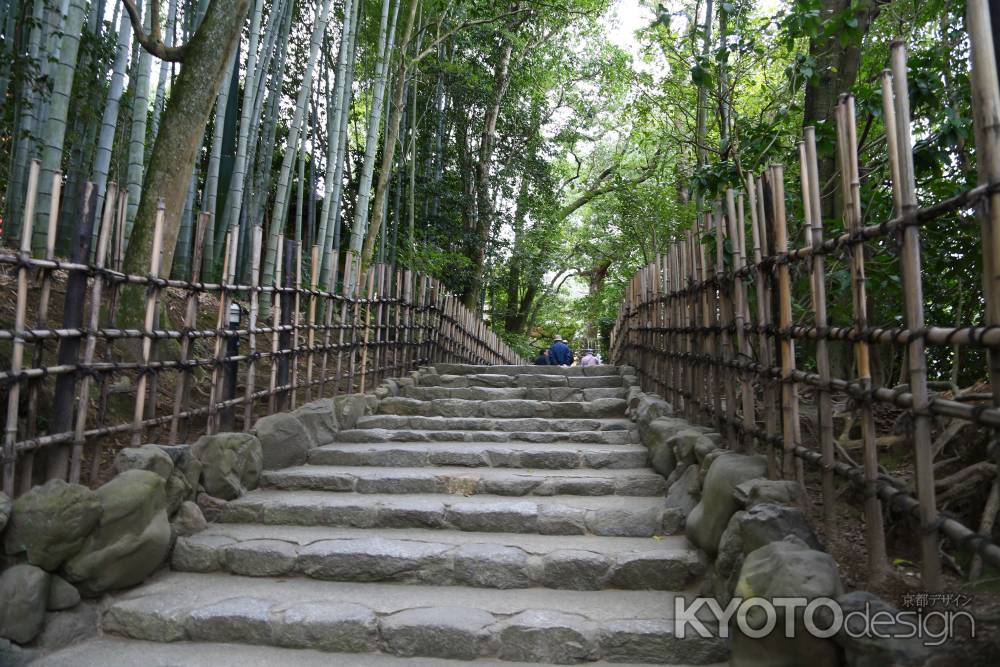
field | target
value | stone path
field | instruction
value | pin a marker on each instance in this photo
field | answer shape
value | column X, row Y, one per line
column 500, row 513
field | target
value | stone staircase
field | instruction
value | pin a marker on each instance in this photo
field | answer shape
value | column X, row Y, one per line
column 500, row 513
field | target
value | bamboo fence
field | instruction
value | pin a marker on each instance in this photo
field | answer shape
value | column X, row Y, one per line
column 719, row 341
column 215, row 361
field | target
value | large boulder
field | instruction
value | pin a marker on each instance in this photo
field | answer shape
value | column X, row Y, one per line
column 650, row 407
column 231, row 463
column 147, row 457
column 718, row 503
column 182, row 484
column 24, row 591
column 785, row 569
column 6, row 507
column 51, row 521
column 729, row 560
column 774, row 491
column 283, row 439
column 765, row 523
column 895, row 645
column 132, row 538
column 656, row 435
column 319, row 419
column 352, row 407
column 682, row 497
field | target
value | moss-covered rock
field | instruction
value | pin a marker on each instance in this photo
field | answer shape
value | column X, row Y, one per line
column 231, row 463
column 51, row 521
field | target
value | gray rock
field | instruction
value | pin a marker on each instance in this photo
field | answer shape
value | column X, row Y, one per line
column 718, row 503
column 626, row 370
column 283, row 439
column 24, row 590
column 231, row 463
column 684, row 442
column 519, row 517
column 704, row 447
column 319, row 419
column 179, row 489
column 766, row 523
column 188, row 520
column 673, row 521
column 455, row 633
column 199, row 553
column 574, row 569
column 12, row 655
column 561, row 520
column 683, row 494
column 785, row 569
column 861, row 649
column 62, row 595
column 655, row 435
column 640, row 571
column 547, row 636
column 147, row 457
column 778, row 492
column 729, row 560
column 350, row 408
column 650, row 407
column 492, row 566
column 63, row 628
column 368, row 559
column 132, row 538
column 328, row 625
column 51, row 521
column 6, row 507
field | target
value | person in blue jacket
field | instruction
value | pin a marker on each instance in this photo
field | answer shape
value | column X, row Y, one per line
column 559, row 352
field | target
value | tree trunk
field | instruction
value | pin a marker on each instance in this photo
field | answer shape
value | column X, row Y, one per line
column 176, row 146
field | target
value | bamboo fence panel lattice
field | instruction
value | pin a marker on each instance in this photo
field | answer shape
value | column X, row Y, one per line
column 207, row 357
column 689, row 327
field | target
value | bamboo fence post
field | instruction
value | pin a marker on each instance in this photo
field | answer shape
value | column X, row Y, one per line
column 287, row 350
column 17, row 350
column 874, row 526
column 407, row 315
column 677, row 325
column 397, row 339
column 248, row 395
column 370, row 279
column 710, row 324
column 345, row 299
column 272, row 398
column 758, row 230
column 726, row 374
column 814, row 219
column 913, row 302
column 117, row 258
column 986, row 122
column 216, row 393
column 190, row 324
column 737, row 241
column 357, row 298
column 94, row 322
column 149, row 322
column 41, row 320
column 692, row 370
column 296, row 305
column 332, row 259
column 380, row 328
column 789, row 389
column 311, row 333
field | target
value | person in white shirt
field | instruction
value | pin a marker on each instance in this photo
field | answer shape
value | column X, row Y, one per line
column 589, row 359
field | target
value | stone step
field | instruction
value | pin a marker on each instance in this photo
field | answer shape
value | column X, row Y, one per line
column 461, row 623
column 442, row 557
column 512, row 393
column 527, row 380
column 118, row 652
column 460, row 481
column 481, row 454
column 569, row 371
column 537, row 424
column 511, row 408
column 622, row 516
column 370, row 435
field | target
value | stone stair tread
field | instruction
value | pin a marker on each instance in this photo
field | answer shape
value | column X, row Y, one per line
column 477, row 454
column 632, row 516
column 443, row 558
column 117, row 652
column 457, row 480
column 504, row 424
column 515, row 408
column 535, row 544
column 569, row 371
column 535, row 624
column 490, row 393
column 368, row 435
